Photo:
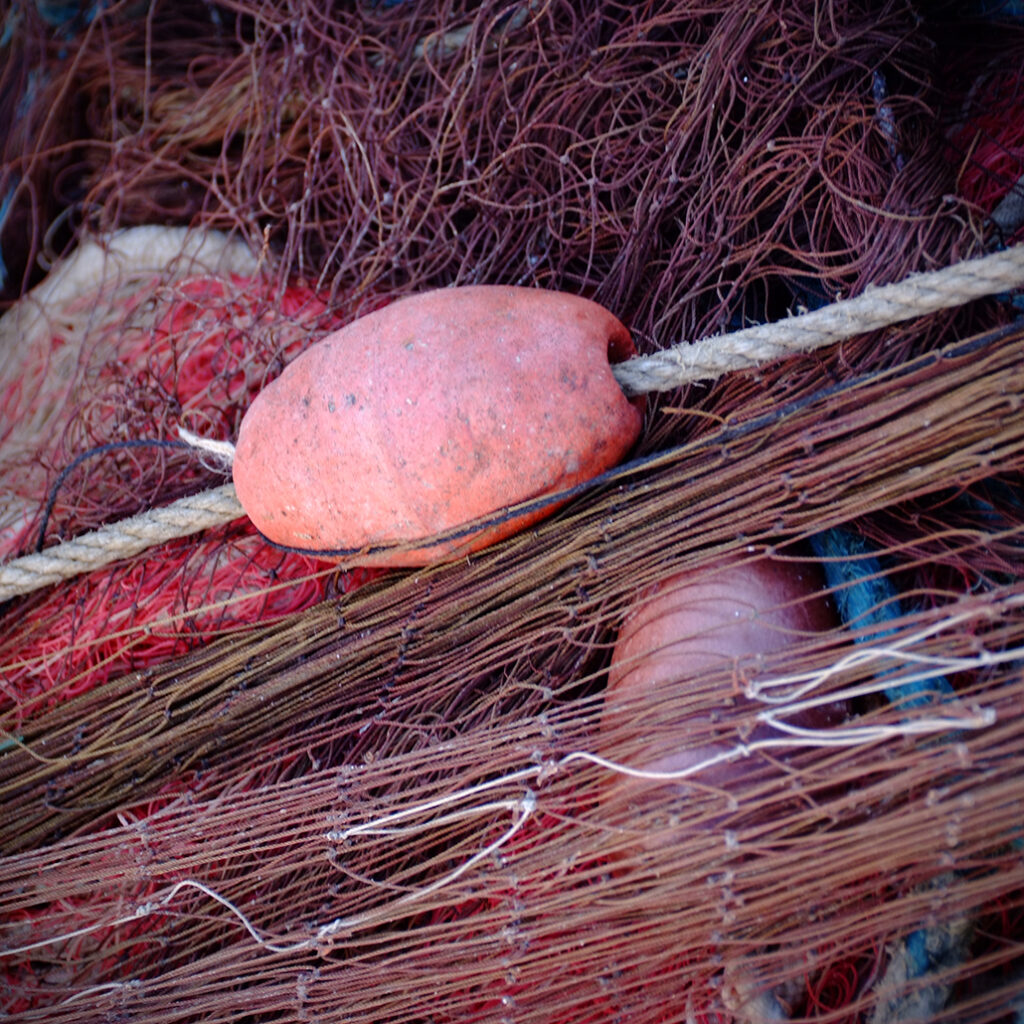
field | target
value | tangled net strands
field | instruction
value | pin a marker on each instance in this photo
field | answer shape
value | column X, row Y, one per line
column 138, row 354
column 640, row 154
column 294, row 826
column 408, row 802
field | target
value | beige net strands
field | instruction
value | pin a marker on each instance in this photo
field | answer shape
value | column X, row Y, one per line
column 246, row 784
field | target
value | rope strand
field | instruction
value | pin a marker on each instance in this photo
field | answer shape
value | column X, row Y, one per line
column 123, row 539
column 917, row 295
column 685, row 363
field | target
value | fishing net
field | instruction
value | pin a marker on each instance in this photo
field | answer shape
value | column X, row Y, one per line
column 240, row 783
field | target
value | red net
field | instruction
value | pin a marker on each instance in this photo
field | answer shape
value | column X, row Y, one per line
column 237, row 786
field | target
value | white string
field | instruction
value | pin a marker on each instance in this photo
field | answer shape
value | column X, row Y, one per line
column 525, row 805
column 223, row 452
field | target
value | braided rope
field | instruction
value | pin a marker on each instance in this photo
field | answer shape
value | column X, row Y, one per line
column 122, row 539
column 914, row 296
column 710, row 358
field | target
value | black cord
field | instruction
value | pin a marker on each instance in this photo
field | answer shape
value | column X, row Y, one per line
column 102, row 449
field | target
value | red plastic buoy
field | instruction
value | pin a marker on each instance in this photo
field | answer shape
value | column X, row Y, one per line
column 431, row 412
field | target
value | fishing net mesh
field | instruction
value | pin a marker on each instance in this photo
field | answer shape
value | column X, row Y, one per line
column 240, row 783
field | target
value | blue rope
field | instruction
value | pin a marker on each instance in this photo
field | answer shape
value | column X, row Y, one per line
column 5, row 209
column 866, row 597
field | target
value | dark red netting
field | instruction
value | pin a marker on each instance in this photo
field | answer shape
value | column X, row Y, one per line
column 242, row 784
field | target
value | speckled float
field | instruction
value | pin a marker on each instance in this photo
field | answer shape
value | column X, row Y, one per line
column 431, row 412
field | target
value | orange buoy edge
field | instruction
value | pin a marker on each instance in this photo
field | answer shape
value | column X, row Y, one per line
column 431, row 412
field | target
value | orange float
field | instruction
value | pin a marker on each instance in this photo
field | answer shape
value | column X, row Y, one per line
column 701, row 625
column 431, row 412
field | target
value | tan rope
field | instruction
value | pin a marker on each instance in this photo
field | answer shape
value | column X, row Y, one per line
column 915, row 296
column 120, row 540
